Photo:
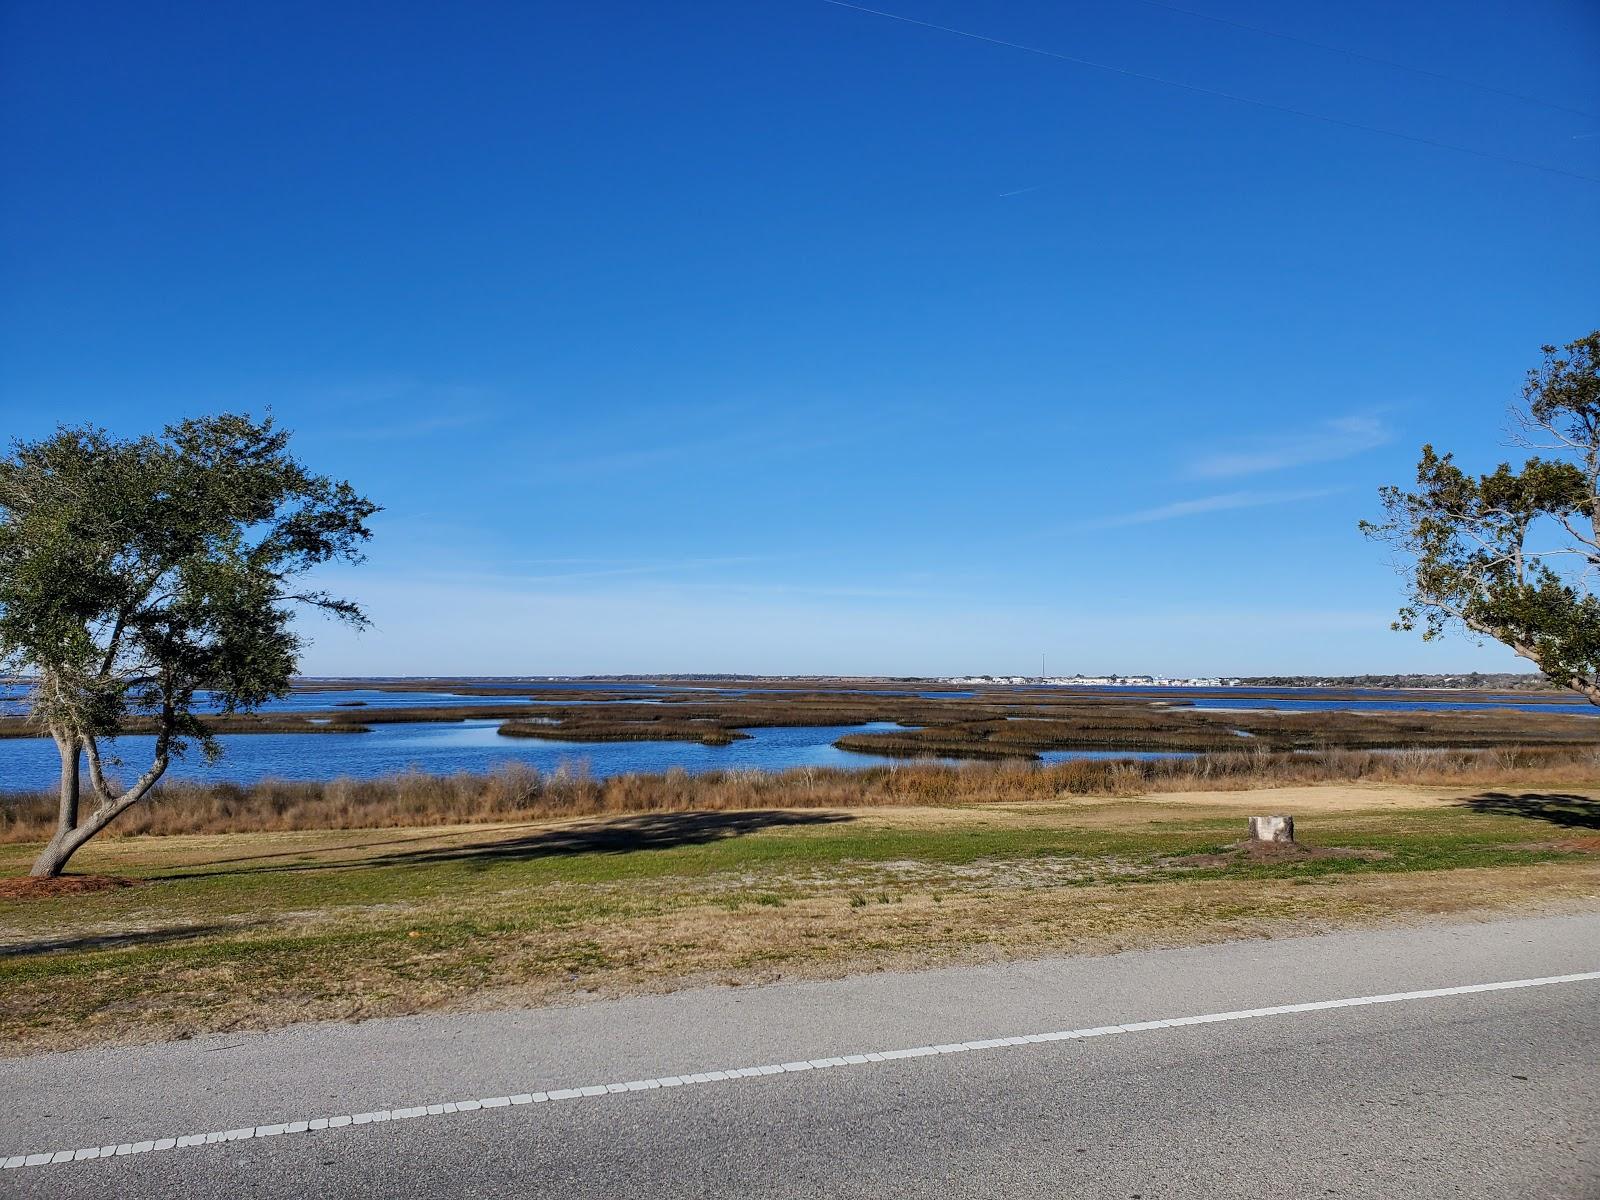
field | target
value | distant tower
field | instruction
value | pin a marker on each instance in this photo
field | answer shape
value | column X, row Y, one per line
column 1041, row 667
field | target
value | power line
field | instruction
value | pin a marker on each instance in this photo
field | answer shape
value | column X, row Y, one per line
column 1129, row 73
column 1370, row 58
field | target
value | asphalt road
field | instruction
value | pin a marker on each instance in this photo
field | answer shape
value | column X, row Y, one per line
column 1488, row 1093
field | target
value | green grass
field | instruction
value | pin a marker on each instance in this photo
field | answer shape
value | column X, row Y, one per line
column 254, row 929
column 389, row 867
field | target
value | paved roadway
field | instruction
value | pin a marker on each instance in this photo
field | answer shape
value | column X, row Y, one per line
column 1481, row 1094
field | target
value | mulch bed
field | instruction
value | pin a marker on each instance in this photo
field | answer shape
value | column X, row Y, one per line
column 28, row 888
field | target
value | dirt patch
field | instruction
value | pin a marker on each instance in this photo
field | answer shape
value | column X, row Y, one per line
column 1583, row 845
column 1273, row 852
column 1323, row 797
column 28, row 888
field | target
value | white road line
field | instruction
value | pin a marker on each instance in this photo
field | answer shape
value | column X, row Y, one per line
column 319, row 1124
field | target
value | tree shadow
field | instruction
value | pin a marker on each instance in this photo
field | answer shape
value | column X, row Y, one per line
column 121, row 941
column 409, row 838
column 600, row 835
column 1557, row 808
column 623, row 835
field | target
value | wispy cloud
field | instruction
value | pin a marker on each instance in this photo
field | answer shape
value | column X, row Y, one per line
column 396, row 408
column 585, row 569
column 669, row 567
column 751, row 442
column 422, row 427
column 1210, row 504
column 1341, row 437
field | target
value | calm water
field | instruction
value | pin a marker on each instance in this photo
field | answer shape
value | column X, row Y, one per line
column 1241, row 699
column 11, row 696
column 358, row 698
column 28, row 764
column 476, row 745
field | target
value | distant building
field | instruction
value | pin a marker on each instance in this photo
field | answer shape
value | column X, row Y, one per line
column 1098, row 681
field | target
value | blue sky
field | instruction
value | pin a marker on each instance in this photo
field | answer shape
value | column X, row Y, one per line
column 781, row 336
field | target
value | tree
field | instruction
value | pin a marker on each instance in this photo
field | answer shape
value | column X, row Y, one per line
column 154, row 579
column 1514, row 555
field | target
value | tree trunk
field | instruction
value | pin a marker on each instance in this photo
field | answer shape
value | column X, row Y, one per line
column 71, row 833
column 54, row 856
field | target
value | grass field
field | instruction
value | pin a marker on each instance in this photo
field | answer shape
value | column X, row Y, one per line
column 226, row 931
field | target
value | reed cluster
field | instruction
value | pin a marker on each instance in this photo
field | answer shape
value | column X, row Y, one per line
column 519, row 792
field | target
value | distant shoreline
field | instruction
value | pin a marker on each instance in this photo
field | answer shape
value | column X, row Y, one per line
column 1465, row 681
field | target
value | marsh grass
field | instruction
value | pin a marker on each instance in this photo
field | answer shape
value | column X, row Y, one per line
column 520, row 793
column 653, row 730
column 988, row 725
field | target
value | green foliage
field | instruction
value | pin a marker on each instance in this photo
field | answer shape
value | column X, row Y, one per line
column 135, row 574
column 1512, row 555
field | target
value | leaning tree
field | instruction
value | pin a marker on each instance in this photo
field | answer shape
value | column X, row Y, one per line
column 1514, row 555
column 153, row 581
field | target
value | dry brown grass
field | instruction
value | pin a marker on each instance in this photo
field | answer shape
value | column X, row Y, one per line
column 699, row 940
column 518, row 793
column 707, row 733
column 917, row 931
